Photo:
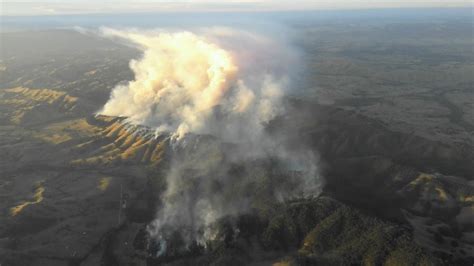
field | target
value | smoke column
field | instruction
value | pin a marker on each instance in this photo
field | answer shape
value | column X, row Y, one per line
column 182, row 77
column 222, row 83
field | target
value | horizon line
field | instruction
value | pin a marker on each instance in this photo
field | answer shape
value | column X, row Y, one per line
column 241, row 11
column 31, row 9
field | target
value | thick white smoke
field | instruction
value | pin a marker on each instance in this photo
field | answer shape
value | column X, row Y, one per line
column 227, row 85
column 182, row 77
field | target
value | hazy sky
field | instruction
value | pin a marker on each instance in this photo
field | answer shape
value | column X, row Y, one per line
column 51, row 7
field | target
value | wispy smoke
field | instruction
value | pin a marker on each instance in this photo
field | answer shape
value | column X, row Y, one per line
column 214, row 91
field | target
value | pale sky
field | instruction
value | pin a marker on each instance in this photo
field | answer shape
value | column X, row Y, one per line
column 64, row 7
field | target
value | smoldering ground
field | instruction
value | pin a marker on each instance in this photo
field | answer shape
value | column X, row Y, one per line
column 213, row 92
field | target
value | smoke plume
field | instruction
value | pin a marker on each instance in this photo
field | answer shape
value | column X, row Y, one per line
column 183, row 76
column 213, row 91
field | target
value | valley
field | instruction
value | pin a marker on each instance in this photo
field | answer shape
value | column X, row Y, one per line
column 394, row 146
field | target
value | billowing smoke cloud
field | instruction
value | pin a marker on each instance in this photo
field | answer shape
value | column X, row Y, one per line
column 214, row 91
column 183, row 76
